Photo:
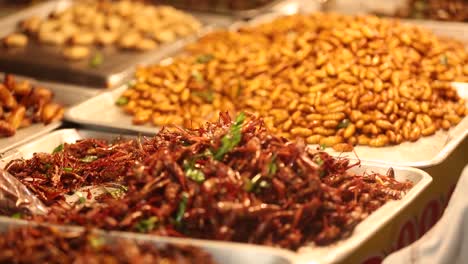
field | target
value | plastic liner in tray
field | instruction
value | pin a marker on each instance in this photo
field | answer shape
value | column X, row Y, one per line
column 231, row 252
column 45, row 62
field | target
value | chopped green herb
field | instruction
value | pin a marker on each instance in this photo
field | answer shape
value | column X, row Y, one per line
column 198, row 76
column 272, row 167
column 195, row 174
column 323, row 173
column 323, row 146
column 230, row 140
column 207, row 153
column 250, row 184
column 131, row 83
column 97, row 60
column 96, row 242
column 205, row 58
column 343, row 124
column 47, row 166
column 89, row 159
column 121, row 101
column 146, row 225
column 17, row 216
column 182, row 208
column 67, row 169
column 319, row 161
column 443, row 59
column 81, row 200
column 57, row 149
column 207, row 96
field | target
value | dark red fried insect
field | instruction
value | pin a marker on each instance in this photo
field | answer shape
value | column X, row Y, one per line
column 49, row 245
column 230, row 181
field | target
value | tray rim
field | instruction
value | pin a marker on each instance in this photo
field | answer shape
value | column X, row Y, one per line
column 29, row 138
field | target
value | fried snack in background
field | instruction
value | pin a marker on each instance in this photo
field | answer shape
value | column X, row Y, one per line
column 22, row 104
column 127, row 25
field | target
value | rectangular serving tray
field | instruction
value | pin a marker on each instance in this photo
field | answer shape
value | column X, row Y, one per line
column 45, row 62
column 67, row 95
column 229, row 251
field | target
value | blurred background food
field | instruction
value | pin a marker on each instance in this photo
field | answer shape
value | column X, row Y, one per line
column 23, row 103
column 125, row 24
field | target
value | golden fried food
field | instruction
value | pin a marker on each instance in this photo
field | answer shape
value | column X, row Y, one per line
column 328, row 78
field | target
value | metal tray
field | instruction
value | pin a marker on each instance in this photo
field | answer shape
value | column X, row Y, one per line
column 117, row 65
column 307, row 254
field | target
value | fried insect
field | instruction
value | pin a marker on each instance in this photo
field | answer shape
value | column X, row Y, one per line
column 50, row 245
column 231, row 180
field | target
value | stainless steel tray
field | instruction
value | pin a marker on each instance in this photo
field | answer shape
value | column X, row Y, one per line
column 45, row 62
column 231, row 252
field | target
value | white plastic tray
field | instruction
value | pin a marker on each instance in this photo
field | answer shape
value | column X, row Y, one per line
column 100, row 111
column 307, row 254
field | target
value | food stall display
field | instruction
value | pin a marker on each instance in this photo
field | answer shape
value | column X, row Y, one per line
column 221, row 139
column 230, row 180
